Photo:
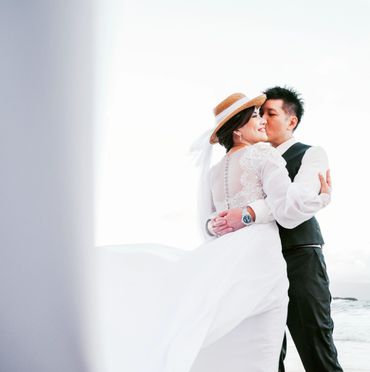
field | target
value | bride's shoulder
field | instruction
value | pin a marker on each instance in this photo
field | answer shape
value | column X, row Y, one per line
column 260, row 153
column 259, row 150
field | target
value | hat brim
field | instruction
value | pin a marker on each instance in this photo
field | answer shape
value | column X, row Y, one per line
column 257, row 101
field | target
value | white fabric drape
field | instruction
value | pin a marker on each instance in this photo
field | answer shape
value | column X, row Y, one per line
column 162, row 309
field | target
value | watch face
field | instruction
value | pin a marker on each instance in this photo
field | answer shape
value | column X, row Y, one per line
column 247, row 219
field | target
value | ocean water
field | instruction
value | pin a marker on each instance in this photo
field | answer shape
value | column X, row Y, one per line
column 351, row 336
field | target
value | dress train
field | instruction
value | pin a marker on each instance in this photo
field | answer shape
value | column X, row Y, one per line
column 162, row 309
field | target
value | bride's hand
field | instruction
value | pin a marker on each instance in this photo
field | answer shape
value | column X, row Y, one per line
column 325, row 183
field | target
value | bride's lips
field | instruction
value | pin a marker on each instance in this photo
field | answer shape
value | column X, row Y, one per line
column 262, row 130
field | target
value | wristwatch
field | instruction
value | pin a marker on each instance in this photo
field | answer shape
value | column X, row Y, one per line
column 246, row 217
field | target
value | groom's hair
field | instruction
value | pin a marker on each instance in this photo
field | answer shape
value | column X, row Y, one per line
column 225, row 133
column 293, row 102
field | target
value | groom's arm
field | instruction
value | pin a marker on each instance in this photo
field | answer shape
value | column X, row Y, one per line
column 262, row 211
column 230, row 220
column 314, row 161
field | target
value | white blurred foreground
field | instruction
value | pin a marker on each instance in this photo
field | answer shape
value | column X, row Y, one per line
column 46, row 213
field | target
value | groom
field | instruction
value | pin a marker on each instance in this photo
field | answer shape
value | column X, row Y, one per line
column 309, row 320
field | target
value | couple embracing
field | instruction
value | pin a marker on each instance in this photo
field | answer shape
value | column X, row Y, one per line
column 224, row 306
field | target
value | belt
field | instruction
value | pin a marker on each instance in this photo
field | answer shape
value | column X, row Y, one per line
column 308, row 246
column 302, row 246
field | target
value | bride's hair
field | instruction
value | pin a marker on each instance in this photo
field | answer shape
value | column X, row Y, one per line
column 225, row 133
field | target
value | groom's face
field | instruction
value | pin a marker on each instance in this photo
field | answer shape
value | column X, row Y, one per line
column 278, row 121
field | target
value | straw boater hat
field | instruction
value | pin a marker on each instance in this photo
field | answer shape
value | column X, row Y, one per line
column 231, row 106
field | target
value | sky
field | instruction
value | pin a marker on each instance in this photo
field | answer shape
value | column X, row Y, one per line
column 162, row 66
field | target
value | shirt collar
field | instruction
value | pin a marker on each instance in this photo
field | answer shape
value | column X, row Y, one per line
column 285, row 145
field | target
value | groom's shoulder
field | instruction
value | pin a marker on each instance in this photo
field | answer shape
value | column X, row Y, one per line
column 301, row 145
column 309, row 147
column 313, row 151
column 306, row 152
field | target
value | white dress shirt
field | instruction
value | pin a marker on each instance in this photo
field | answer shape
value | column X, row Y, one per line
column 314, row 161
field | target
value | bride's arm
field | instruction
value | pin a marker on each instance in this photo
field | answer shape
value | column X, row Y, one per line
column 207, row 209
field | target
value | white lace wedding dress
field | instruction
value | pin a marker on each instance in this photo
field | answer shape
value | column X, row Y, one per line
column 218, row 308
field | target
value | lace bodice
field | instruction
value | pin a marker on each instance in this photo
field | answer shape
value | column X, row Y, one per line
column 236, row 180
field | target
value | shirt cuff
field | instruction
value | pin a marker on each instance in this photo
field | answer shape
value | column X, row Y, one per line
column 325, row 199
column 262, row 211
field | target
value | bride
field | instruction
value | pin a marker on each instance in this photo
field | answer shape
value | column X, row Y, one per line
column 221, row 307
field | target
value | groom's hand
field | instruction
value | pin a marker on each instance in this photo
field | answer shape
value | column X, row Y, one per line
column 228, row 221
column 220, row 226
column 325, row 184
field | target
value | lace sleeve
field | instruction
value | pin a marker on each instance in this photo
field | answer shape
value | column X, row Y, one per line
column 291, row 203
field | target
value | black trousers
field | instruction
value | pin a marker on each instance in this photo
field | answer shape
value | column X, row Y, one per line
column 309, row 320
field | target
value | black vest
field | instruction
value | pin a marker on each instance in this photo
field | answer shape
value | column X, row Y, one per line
column 308, row 232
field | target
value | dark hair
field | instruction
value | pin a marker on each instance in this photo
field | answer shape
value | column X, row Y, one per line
column 293, row 102
column 225, row 133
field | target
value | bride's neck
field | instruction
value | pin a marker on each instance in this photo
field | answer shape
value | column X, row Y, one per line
column 237, row 147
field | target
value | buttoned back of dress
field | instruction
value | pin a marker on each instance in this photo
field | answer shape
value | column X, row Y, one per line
column 236, row 178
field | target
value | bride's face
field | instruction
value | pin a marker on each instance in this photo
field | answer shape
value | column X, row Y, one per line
column 254, row 130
